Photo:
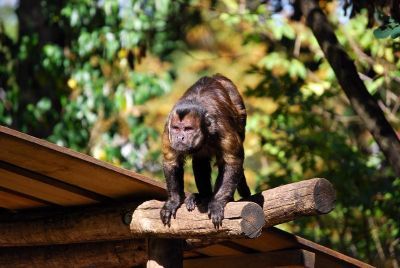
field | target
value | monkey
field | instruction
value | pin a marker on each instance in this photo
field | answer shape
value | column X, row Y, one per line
column 207, row 122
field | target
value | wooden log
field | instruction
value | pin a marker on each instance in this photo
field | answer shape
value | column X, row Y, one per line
column 128, row 253
column 288, row 202
column 282, row 258
column 280, row 204
column 65, row 226
column 89, row 224
column 241, row 219
column 165, row 253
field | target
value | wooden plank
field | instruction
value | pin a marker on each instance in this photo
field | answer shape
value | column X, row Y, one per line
column 191, row 254
column 44, row 191
column 328, row 255
column 13, row 201
column 51, row 181
column 243, row 249
column 75, row 168
column 269, row 240
column 274, row 238
column 218, row 250
column 128, row 253
column 287, row 258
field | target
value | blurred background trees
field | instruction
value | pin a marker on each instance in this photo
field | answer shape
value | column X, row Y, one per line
column 101, row 76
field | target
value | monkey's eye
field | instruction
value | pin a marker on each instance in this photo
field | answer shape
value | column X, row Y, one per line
column 175, row 127
column 188, row 128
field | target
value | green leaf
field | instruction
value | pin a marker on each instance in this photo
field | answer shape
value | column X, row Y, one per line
column 382, row 32
column 390, row 29
column 396, row 32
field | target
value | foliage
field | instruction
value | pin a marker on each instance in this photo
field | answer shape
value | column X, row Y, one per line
column 83, row 87
column 390, row 28
column 312, row 131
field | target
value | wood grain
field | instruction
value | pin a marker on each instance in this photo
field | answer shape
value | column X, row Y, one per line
column 288, row 202
column 14, row 201
column 127, row 253
column 241, row 219
column 73, row 225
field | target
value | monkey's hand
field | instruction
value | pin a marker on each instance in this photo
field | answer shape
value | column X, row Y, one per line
column 216, row 212
column 169, row 209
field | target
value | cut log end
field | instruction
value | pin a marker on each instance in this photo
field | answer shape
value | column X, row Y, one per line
column 324, row 196
column 252, row 220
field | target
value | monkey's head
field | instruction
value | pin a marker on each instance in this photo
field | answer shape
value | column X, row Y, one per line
column 186, row 128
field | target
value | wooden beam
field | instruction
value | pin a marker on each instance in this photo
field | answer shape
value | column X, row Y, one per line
column 286, row 258
column 288, row 202
column 65, row 226
column 126, row 253
column 165, row 253
column 281, row 204
column 242, row 219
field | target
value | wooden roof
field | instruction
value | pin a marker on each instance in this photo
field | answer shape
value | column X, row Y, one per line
column 35, row 174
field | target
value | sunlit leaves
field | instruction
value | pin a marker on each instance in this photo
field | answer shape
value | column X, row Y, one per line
column 9, row 22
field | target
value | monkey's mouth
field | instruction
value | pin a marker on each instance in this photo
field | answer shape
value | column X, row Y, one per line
column 185, row 148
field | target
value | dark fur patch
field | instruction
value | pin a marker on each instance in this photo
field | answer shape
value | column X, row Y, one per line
column 186, row 107
column 182, row 112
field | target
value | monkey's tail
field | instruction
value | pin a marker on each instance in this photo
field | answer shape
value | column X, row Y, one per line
column 243, row 188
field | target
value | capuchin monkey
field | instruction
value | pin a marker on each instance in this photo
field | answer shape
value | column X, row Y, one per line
column 208, row 121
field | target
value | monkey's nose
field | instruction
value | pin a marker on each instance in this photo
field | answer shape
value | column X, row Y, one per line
column 182, row 138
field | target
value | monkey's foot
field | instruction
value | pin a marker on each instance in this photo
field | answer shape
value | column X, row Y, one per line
column 191, row 201
column 195, row 200
column 216, row 213
column 169, row 209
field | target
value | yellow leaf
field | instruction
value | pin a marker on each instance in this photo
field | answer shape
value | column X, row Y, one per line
column 123, row 53
column 72, row 83
column 378, row 68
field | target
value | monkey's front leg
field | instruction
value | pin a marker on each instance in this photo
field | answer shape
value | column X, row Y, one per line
column 174, row 177
column 225, row 187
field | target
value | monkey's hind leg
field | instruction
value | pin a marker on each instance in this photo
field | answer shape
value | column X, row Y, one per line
column 202, row 176
column 243, row 188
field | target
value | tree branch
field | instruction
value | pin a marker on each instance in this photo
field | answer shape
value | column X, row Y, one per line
column 362, row 102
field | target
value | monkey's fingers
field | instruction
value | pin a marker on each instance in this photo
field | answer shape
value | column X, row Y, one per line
column 173, row 212
column 166, row 216
column 217, row 220
column 216, row 214
column 191, row 202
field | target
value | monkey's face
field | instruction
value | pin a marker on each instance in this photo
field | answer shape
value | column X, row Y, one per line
column 185, row 133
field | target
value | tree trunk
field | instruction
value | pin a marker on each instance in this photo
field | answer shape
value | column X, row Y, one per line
column 362, row 102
